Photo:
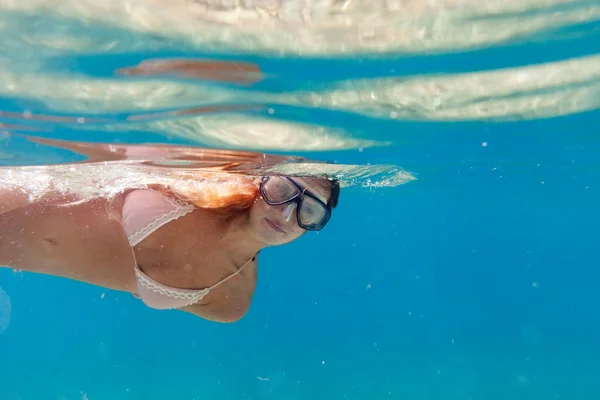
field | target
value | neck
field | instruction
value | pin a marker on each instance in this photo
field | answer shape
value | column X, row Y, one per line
column 242, row 244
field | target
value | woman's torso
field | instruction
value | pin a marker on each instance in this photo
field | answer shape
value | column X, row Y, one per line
column 83, row 242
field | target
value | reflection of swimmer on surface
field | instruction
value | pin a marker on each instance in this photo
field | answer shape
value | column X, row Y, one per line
column 239, row 72
column 190, row 247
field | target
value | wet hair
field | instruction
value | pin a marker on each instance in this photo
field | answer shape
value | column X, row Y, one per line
column 233, row 193
column 220, row 192
column 335, row 193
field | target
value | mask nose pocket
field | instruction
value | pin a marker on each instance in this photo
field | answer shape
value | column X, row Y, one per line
column 288, row 211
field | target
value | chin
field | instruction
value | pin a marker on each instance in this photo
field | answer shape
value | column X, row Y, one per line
column 272, row 238
column 278, row 239
column 275, row 243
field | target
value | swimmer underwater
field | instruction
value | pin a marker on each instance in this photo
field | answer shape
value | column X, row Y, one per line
column 193, row 249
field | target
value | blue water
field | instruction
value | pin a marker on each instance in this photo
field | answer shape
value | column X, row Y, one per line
column 478, row 280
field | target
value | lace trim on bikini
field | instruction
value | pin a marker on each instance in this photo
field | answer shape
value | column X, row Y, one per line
column 191, row 296
column 181, row 208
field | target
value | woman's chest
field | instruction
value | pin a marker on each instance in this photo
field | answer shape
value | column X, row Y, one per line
column 190, row 252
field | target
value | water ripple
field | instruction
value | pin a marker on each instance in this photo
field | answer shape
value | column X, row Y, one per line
column 202, row 72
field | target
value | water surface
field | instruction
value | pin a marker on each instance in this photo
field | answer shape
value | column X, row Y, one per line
column 474, row 279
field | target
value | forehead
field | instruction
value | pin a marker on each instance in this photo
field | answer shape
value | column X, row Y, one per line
column 319, row 187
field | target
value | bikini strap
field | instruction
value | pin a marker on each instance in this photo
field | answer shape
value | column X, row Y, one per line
column 210, row 287
column 235, row 273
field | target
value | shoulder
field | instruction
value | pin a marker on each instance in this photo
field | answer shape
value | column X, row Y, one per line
column 231, row 301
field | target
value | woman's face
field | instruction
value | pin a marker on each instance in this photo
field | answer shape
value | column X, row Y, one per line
column 278, row 224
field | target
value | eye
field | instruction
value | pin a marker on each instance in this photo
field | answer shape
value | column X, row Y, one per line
column 311, row 212
column 278, row 189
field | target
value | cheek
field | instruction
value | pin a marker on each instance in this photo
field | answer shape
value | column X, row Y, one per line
column 295, row 231
column 258, row 209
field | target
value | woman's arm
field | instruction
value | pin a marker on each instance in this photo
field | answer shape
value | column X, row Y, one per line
column 232, row 299
column 12, row 199
column 78, row 242
column 220, row 312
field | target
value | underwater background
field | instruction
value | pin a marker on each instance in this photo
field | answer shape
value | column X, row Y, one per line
column 477, row 279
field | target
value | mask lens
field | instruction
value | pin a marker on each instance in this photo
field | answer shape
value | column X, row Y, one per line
column 279, row 190
column 312, row 213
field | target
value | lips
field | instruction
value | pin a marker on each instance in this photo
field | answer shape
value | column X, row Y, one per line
column 274, row 225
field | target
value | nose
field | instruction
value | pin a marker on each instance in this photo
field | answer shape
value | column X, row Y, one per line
column 288, row 211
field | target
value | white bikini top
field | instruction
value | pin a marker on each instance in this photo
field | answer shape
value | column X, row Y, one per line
column 145, row 211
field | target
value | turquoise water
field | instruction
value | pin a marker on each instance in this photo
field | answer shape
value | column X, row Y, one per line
column 477, row 280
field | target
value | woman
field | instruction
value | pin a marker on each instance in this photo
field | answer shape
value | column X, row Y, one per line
column 192, row 248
